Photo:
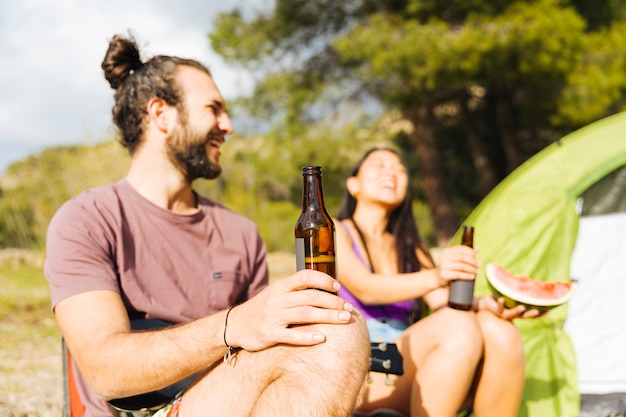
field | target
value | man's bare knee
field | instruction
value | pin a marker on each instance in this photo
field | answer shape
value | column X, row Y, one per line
column 328, row 375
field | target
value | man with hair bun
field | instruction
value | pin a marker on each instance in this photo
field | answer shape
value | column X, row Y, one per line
column 149, row 250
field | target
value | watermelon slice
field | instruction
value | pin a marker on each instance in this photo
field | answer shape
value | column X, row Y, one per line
column 526, row 291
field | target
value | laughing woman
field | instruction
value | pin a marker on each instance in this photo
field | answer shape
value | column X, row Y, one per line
column 453, row 360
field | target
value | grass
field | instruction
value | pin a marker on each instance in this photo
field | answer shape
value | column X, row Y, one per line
column 30, row 342
column 30, row 353
column 24, row 302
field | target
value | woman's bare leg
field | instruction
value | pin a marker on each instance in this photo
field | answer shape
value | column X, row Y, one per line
column 441, row 354
column 501, row 384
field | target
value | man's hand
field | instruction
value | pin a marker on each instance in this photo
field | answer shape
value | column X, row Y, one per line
column 284, row 311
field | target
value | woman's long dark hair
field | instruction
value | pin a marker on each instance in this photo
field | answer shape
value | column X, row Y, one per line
column 401, row 221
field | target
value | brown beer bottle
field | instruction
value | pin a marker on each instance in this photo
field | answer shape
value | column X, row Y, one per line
column 315, row 230
column 462, row 291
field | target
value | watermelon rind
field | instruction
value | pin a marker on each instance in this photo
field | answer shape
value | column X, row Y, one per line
column 511, row 299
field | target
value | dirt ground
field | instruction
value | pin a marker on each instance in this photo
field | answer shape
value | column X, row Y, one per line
column 32, row 371
column 30, row 358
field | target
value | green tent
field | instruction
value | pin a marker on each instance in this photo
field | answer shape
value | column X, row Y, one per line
column 529, row 225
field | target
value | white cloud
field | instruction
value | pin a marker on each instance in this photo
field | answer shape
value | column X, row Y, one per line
column 52, row 89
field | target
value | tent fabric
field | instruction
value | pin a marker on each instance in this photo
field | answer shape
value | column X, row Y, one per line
column 595, row 322
column 529, row 225
column 606, row 196
column 597, row 265
column 603, row 405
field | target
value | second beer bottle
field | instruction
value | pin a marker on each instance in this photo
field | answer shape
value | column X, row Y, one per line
column 315, row 230
column 461, row 291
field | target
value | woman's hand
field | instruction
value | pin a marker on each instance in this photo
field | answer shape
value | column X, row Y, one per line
column 457, row 262
column 496, row 306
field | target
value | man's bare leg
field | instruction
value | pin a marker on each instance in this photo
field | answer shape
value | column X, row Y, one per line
column 318, row 381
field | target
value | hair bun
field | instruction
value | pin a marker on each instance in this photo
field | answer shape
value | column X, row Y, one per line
column 121, row 59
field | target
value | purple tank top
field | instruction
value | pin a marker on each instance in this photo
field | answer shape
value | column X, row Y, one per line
column 401, row 310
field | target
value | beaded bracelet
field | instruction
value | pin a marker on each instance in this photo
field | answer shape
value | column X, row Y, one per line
column 231, row 351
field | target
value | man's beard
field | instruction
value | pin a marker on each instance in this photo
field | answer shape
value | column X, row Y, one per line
column 186, row 149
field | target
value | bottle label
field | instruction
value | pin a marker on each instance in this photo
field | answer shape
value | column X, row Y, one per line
column 461, row 294
column 300, row 265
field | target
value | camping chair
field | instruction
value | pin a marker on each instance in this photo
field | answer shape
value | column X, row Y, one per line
column 386, row 362
column 72, row 406
column 385, row 359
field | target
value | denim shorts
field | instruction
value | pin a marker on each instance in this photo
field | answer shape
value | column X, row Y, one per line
column 385, row 330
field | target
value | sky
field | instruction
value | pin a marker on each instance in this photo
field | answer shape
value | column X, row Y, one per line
column 52, row 89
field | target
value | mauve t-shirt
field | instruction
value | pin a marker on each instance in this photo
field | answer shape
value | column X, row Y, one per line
column 165, row 265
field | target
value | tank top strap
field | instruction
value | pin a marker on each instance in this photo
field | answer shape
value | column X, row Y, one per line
column 355, row 247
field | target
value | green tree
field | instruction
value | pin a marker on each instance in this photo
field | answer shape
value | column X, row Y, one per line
column 33, row 189
column 484, row 83
column 261, row 180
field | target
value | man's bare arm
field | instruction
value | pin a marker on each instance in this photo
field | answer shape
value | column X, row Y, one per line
column 119, row 363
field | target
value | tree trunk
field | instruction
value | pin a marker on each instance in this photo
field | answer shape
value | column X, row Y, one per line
column 506, row 127
column 433, row 182
column 484, row 169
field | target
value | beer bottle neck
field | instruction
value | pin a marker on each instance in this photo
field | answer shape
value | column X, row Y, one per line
column 312, row 194
column 468, row 236
column 314, row 215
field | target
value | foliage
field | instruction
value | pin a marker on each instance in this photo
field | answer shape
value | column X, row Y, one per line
column 598, row 82
column 261, row 178
column 467, row 90
column 33, row 189
column 496, row 80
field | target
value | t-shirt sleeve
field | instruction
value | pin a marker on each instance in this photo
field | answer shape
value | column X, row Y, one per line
column 259, row 275
column 79, row 249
